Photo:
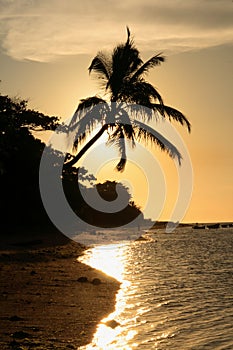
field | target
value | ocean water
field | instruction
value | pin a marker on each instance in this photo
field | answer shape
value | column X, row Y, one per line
column 176, row 291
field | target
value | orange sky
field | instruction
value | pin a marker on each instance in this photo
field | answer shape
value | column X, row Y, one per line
column 45, row 55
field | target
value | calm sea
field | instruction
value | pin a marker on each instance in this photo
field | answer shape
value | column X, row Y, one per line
column 176, row 291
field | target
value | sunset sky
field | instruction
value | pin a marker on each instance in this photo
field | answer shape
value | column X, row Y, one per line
column 46, row 47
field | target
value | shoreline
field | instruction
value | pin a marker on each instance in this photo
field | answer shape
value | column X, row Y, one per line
column 44, row 303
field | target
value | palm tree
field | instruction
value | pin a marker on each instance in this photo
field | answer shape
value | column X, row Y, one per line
column 132, row 102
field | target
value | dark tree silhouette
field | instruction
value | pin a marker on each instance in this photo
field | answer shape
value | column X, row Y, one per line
column 122, row 76
column 108, row 192
column 20, row 154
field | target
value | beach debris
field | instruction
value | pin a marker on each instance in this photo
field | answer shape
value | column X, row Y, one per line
column 112, row 324
column 96, row 281
column 25, row 344
column 15, row 318
column 141, row 238
column 20, row 335
column 83, row 279
column 13, row 344
column 34, row 329
column 16, row 346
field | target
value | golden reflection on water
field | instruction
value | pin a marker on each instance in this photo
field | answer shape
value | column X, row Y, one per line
column 111, row 260
column 108, row 259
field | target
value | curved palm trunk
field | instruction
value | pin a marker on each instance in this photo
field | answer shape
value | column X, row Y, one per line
column 86, row 147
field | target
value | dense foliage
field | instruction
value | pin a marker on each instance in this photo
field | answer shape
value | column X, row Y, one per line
column 20, row 154
column 109, row 191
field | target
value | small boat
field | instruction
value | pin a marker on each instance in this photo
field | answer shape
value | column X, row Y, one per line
column 199, row 227
column 213, row 226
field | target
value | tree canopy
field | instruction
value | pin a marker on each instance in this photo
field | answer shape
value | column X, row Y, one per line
column 20, row 153
column 131, row 102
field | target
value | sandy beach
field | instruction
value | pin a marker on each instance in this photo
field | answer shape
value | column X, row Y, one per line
column 45, row 303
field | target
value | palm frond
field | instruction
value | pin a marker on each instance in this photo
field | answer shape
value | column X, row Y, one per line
column 128, row 35
column 173, row 113
column 122, row 163
column 79, row 139
column 84, row 128
column 90, row 113
column 149, row 89
column 141, row 93
column 101, row 65
column 134, row 60
column 125, row 60
column 115, row 136
column 90, row 102
column 85, row 106
column 140, row 112
column 145, row 67
column 125, row 57
column 127, row 128
column 144, row 133
column 117, row 139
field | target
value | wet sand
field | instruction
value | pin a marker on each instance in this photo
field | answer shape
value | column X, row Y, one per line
column 43, row 302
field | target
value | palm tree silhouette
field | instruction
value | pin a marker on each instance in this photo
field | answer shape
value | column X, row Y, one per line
column 131, row 103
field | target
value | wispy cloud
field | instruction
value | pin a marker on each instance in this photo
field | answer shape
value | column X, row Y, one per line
column 47, row 29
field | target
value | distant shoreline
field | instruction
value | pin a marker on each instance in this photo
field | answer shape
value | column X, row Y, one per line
column 163, row 224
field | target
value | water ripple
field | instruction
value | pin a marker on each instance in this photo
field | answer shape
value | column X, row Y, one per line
column 179, row 293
